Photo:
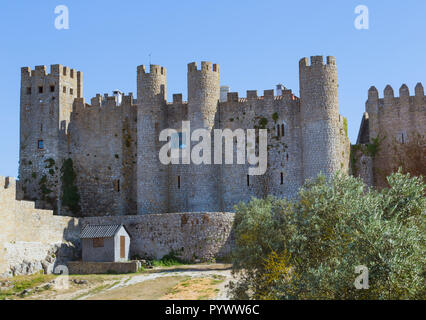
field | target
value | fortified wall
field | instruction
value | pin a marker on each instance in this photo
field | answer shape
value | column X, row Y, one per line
column 32, row 240
column 102, row 158
column 388, row 122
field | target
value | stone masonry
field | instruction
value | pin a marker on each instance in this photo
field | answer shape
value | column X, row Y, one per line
column 388, row 121
column 102, row 158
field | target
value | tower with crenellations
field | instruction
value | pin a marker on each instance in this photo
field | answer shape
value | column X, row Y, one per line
column 45, row 112
column 387, row 123
column 104, row 155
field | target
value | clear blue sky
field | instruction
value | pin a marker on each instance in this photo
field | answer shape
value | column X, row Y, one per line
column 257, row 44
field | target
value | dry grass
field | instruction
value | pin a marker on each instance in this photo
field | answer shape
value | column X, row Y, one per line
column 195, row 289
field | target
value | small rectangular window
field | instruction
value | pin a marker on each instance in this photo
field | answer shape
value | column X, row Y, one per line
column 65, row 89
column 28, row 90
column 117, row 185
column 282, row 178
column 98, row 242
column 52, row 88
column 65, row 71
column 71, row 91
column 178, row 182
column 40, row 144
column 40, row 89
column 282, row 130
column 248, row 180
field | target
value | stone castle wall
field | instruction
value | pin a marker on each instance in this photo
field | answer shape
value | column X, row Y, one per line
column 115, row 148
column 390, row 121
column 32, row 240
column 102, row 145
column 191, row 236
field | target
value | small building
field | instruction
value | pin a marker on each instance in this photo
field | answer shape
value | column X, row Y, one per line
column 105, row 243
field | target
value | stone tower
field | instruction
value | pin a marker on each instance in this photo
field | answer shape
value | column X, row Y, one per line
column 152, row 179
column 201, row 181
column 46, row 105
column 319, row 112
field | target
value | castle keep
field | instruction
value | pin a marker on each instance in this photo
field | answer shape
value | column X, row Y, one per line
column 102, row 158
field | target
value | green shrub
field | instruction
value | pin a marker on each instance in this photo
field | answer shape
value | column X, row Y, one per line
column 319, row 240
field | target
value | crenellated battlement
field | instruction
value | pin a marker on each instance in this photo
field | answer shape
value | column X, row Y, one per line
column 205, row 66
column 153, row 70
column 390, row 99
column 103, row 102
column 267, row 94
column 317, row 61
column 7, row 183
column 56, row 70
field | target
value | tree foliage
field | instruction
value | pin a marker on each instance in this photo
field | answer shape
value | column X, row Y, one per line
column 309, row 248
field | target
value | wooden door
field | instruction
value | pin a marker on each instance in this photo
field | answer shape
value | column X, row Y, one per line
column 122, row 246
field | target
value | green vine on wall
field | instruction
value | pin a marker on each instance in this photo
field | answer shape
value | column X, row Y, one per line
column 70, row 195
column 369, row 149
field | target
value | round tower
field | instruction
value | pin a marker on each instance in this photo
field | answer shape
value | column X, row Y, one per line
column 319, row 114
column 152, row 191
column 203, row 94
column 203, row 98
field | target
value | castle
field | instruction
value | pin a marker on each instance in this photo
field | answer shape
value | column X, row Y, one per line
column 98, row 163
column 102, row 158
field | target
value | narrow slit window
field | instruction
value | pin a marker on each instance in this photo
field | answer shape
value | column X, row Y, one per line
column 282, row 130
column 248, row 180
column 278, row 130
column 71, row 91
column 282, row 178
column 65, row 89
column 52, row 88
column 117, row 185
column 178, row 182
column 287, row 156
column 40, row 89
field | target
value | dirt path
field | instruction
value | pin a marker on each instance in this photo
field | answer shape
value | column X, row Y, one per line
column 186, row 282
column 192, row 282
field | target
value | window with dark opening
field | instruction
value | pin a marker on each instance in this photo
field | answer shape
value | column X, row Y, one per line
column 287, row 156
column 248, row 180
column 282, row 130
column 52, row 88
column 278, row 130
column 40, row 144
column 282, row 178
column 178, row 182
column 117, row 185
column 98, row 242
column 40, row 89
column 71, row 91
column 28, row 90
column 65, row 89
